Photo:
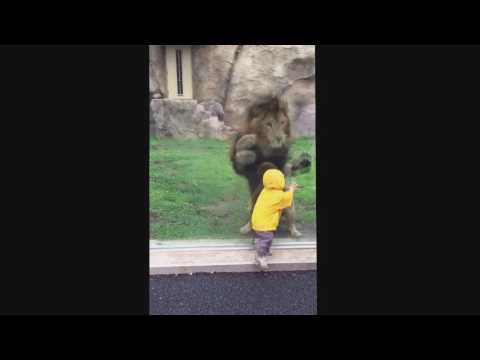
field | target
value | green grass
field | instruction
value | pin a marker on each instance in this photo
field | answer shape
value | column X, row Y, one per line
column 194, row 192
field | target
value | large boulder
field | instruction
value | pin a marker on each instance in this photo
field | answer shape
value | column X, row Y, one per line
column 173, row 118
column 187, row 119
column 211, row 128
column 211, row 68
column 214, row 108
column 157, row 74
column 263, row 70
column 301, row 104
column 304, row 124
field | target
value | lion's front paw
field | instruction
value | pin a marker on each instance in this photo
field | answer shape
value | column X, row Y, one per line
column 245, row 157
column 305, row 160
column 303, row 163
column 246, row 142
column 295, row 233
column 245, row 229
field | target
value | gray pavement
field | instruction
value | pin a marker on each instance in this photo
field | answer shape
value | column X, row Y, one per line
column 257, row 293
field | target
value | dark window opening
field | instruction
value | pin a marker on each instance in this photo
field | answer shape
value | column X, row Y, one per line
column 179, row 73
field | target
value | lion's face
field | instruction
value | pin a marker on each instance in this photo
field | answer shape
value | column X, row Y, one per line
column 271, row 124
column 274, row 129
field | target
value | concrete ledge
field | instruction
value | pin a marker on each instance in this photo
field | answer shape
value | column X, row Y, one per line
column 196, row 243
column 193, row 257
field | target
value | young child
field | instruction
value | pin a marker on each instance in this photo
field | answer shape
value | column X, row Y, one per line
column 267, row 211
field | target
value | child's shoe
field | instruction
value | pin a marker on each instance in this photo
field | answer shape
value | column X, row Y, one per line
column 262, row 262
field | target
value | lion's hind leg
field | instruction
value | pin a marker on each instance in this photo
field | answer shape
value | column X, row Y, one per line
column 245, row 229
column 290, row 215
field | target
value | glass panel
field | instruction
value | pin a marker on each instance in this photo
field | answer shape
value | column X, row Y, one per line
column 195, row 190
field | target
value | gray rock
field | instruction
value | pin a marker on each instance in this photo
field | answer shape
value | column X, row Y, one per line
column 186, row 119
column 263, row 70
column 301, row 104
column 210, row 128
column 157, row 75
column 174, row 118
column 214, row 108
column 157, row 95
column 305, row 122
column 211, row 66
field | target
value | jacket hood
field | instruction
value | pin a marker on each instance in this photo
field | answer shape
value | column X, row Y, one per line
column 274, row 179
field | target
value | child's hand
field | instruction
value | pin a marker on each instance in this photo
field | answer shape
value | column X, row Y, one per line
column 293, row 187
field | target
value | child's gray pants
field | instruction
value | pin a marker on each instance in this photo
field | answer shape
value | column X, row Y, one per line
column 263, row 241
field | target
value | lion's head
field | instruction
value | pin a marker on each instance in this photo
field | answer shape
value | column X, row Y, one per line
column 270, row 122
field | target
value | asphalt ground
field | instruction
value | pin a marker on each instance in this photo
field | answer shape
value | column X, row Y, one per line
column 252, row 293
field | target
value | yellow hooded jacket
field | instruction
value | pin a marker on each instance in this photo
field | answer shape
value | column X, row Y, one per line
column 271, row 201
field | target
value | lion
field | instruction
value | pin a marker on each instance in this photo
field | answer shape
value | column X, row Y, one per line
column 264, row 144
